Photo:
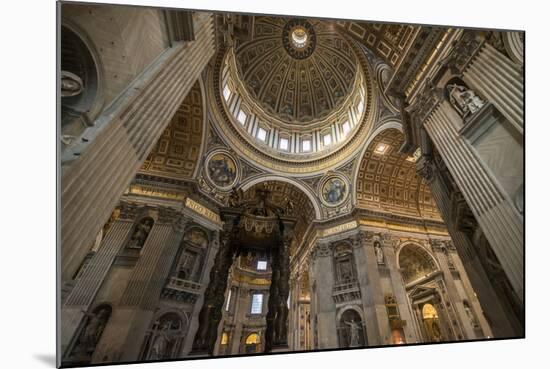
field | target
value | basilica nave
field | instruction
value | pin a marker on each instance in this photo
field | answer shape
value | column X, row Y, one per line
column 236, row 184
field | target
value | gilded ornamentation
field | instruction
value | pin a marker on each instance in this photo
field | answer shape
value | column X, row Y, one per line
column 221, row 170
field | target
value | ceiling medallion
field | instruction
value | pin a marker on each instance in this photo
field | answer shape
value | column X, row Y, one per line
column 221, row 169
column 334, row 190
column 299, row 38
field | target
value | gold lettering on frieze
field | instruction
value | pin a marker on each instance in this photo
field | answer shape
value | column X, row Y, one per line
column 151, row 192
column 202, row 210
column 403, row 228
column 338, row 229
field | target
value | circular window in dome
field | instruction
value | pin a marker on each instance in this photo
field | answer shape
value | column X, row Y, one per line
column 299, row 38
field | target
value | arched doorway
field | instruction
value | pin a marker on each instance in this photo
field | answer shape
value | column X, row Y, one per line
column 425, row 287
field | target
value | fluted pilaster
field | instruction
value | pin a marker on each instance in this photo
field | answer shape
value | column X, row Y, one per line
column 96, row 173
column 500, row 221
column 500, row 81
column 88, row 284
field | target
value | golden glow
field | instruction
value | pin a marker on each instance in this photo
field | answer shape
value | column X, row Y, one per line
column 150, row 192
column 299, row 37
column 339, row 228
column 381, row 148
column 253, row 339
column 205, row 212
column 225, row 338
column 429, row 312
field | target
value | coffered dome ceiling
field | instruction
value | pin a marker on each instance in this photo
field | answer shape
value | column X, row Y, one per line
column 299, row 70
column 294, row 95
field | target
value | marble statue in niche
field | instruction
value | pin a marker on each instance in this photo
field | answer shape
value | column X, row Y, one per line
column 158, row 350
column 470, row 315
column 464, row 100
column 166, row 334
column 354, row 329
column 222, row 170
column 379, row 253
column 334, row 191
column 141, row 231
column 351, row 328
column 92, row 331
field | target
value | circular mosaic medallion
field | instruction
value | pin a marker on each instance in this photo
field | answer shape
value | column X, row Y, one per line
column 334, row 190
column 221, row 170
column 299, row 38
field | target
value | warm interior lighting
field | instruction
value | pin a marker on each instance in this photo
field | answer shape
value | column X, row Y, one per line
column 346, row 128
column 262, row 134
column 299, row 37
column 381, row 148
column 242, row 117
column 283, row 144
column 226, row 93
column 306, row 145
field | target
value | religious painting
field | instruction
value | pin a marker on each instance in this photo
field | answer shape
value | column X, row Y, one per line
column 221, row 170
column 334, row 191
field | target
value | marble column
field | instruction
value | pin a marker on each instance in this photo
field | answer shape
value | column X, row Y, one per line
column 91, row 279
column 483, row 296
column 457, row 308
column 123, row 336
column 500, row 221
column 95, row 172
column 372, row 296
column 322, row 275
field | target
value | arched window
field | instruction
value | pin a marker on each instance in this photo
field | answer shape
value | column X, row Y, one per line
column 140, row 233
column 431, row 322
column 350, row 331
column 343, row 264
column 225, row 339
column 252, row 343
column 190, row 261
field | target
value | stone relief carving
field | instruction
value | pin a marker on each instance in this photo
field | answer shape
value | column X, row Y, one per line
column 71, row 84
column 90, row 335
column 141, row 231
column 464, row 100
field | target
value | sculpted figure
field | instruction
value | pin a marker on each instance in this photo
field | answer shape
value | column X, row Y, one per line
column 140, row 233
column 92, row 332
column 353, row 330
column 71, row 84
column 464, row 100
column 379, row 253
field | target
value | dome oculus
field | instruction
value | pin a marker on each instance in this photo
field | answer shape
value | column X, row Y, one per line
column 299, row 38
